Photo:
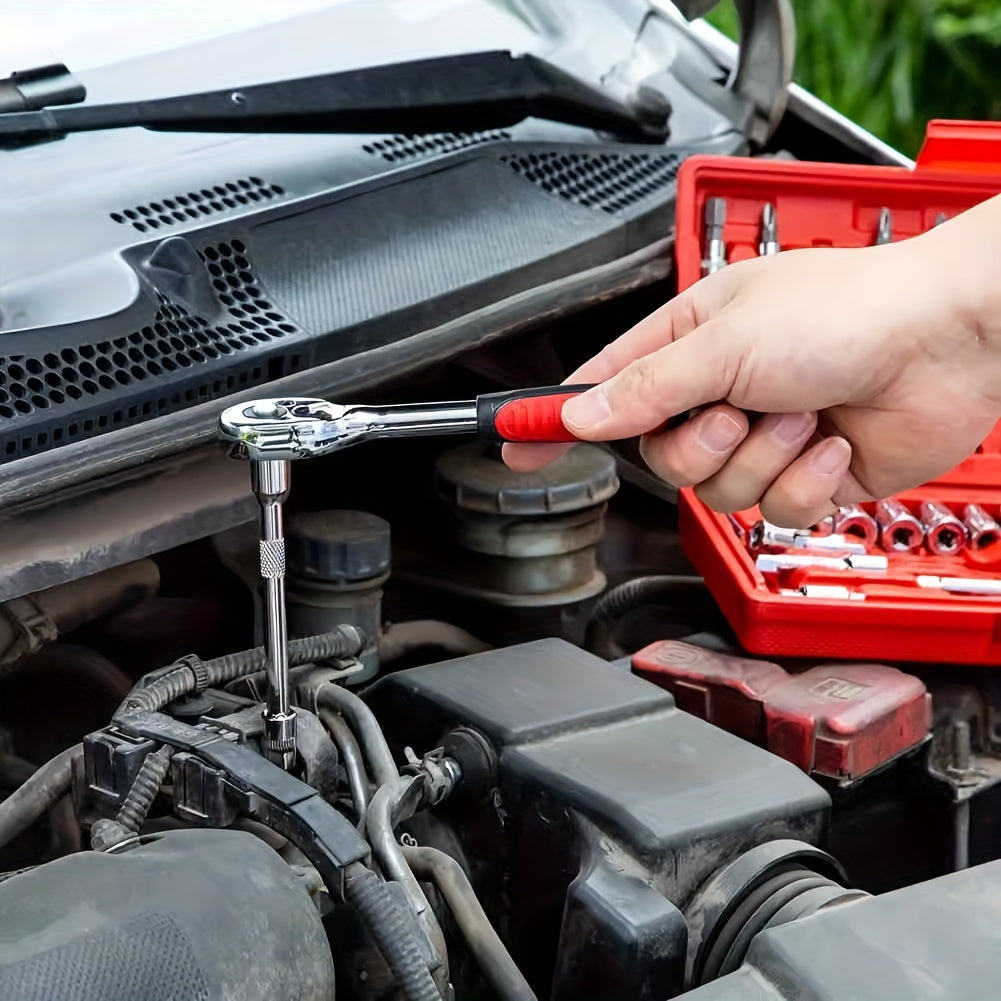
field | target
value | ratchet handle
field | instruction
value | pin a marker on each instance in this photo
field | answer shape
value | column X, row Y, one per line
column 530, row 415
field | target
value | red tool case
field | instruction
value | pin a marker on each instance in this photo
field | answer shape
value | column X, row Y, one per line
column 818, row 205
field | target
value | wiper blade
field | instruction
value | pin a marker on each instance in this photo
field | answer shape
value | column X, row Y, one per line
column 475, row 91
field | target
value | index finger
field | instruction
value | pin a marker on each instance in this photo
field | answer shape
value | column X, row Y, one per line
column 675, row 319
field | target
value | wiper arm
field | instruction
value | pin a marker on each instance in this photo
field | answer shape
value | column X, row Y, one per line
column 480, row 90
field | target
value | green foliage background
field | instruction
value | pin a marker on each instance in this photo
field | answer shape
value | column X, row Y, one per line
column 891, row 65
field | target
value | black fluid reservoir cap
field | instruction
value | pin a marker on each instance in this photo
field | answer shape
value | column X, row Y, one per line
column 338, row 546
column 474, row 478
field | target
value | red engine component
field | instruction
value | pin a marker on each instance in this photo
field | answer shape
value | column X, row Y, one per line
column 840, row 721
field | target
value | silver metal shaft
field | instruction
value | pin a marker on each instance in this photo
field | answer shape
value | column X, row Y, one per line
column 884, row 231
column 270, row 479
column 769, row 242
column 714, row 249
column 410, row 420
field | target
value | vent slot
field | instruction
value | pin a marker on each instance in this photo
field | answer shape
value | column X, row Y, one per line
column 197, row 204
column 398, row 148
column 175, row 344
column 606, row 181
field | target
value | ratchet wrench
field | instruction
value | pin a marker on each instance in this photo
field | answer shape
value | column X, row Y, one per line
column 271, row 433
column 285, row 429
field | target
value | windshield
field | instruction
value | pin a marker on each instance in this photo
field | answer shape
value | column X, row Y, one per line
column 85, row 34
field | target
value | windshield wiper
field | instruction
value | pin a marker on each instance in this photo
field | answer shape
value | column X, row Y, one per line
column 480, row 90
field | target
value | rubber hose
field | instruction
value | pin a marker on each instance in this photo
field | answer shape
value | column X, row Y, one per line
column 25, row 805
column 366, row 729
column 403, row 638
column 627, row 597
column 15, row 771
column 164, row 687
column 493, row 959
column 384, row 812
column 144, row 789
column 350, row 754
column 394, row 935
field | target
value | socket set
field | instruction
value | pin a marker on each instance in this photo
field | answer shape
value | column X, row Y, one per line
column 916, row 577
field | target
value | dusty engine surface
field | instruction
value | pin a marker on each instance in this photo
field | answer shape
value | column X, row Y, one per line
column 530, row 762
column 173, row 919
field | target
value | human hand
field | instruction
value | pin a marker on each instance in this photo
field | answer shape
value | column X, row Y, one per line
column 873, row 370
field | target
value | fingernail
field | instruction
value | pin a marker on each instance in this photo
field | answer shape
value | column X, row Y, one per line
column 830, row 456
column 790, row 428
column 719, row 433
column 586, row 410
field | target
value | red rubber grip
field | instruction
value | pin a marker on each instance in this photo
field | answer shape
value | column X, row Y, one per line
column 533, row 418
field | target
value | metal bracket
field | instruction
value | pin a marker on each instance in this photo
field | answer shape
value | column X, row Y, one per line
column 767, row 51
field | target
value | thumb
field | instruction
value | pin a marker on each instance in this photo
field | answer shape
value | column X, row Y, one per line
column 687, row 373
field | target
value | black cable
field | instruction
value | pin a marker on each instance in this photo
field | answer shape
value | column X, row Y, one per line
column 395, row 936
column 144, row 789
column 162, row 687
column 25, row 805
column 634, row 594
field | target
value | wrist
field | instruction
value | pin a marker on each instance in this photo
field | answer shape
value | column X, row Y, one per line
column 961, row 259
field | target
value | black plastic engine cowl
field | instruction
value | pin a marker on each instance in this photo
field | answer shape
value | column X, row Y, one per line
column 613, row 807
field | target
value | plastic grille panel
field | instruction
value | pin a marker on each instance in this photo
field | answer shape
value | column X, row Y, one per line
column 398, row 148
column 408, row 245
column 143, row 364
column 192, row 205
column 607, row 181
column 148, row 960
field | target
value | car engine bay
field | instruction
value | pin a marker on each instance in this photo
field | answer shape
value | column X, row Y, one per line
column 530, row 759
column 489, row 797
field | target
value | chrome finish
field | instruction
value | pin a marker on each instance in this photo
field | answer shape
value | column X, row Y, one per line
column 306, row 428
column 874, row 562
column 270, row 482
column 852, row 520
column 830, row 543
column 765, row 535
column 769, row 243
column 714, row 219
column 983, row 530
column 962, row 585
column 825, row 592
column 884, row 232
column 945, row 534
column 772, row 563
column 899, row 530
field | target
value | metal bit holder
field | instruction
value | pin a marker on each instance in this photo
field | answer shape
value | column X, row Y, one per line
column 983, row 530
column 899, row 530
column 270, row 479
column 714, row 249
column 766, row 537
column 945, row 534
column 853, row 521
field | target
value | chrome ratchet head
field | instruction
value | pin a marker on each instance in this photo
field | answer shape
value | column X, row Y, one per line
column 285, row 429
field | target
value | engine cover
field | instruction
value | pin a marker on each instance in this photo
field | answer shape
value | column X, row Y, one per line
column 186, row 916
column 936, row 941
column 612, row 807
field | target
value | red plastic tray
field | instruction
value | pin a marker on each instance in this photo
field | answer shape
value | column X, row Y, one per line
column 817, row 205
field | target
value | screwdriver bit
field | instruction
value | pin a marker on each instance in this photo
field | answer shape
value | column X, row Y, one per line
column 714, row 219
column 884, row 232
column 769, row 241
